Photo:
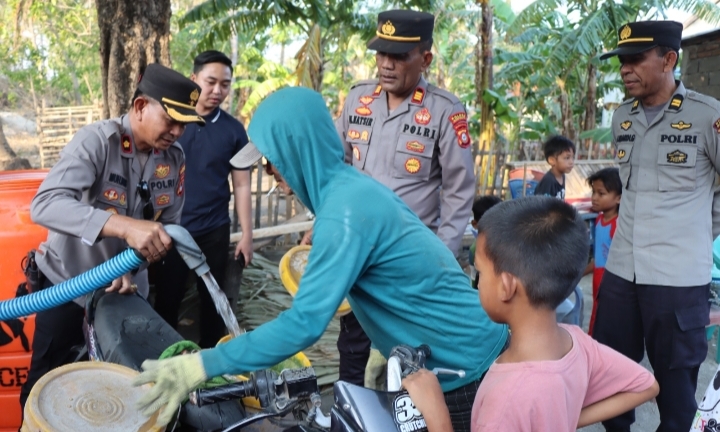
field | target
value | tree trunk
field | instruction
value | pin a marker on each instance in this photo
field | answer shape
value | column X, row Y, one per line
column 132, row 35
column 483, row 82
column 8, row 158
column 590, row 105
column 6, row 152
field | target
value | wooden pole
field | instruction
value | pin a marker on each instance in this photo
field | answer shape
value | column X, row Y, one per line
column 274, row 231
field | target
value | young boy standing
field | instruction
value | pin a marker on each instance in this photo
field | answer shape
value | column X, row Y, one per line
column 560, row 154
column 552, row 377
column 606, row 193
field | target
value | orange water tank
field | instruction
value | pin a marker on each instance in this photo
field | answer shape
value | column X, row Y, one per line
column 17, row 236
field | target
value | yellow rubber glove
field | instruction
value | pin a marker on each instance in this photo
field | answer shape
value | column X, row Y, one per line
column 174, row 378
column 376, row 371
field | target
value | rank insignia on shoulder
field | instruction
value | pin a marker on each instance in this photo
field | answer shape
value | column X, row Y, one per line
column 626, row 125
column 356, row 152
column 677, row 157
column 366, row 100
column 363, row 111
column 423, row 116
column 681, row 125
column 111, row 194
column 162, row 199
column 418, row 96
column 412, row 165
column 676, row 102
column 621, row 154
column 123, row 199
column 377, row 91
column 162, row 170
column 126, row 144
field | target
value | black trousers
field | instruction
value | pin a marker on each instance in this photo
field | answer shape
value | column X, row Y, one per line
column 57, row 331
column 171, row 277
column 354, row 347
column 668, row 322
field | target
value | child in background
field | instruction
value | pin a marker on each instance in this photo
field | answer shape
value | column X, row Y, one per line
column 480, row 206
column 606, row 193
column 560, row 154
column 553, row 377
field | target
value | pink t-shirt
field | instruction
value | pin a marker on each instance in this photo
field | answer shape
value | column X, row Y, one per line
column 548, row 395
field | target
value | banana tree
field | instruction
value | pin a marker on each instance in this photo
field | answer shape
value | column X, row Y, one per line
column 563, row 49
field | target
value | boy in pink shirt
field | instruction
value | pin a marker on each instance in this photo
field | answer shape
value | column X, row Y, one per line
column 552, row 377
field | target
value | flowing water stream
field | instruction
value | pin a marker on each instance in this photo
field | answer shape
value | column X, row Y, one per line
column 222, row 305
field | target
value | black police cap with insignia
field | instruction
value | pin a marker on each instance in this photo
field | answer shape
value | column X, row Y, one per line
column 399, row 31
column 177, row 94
column 637, row 37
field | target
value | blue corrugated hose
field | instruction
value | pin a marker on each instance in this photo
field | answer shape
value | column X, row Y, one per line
column 64, row 292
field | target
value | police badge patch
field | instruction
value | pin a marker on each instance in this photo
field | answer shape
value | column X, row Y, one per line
column 412, row 165
column 677, row 157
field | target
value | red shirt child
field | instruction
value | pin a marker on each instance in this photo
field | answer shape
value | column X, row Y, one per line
column 607, row 190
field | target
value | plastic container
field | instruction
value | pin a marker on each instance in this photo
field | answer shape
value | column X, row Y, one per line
column 18, row 235
column 516, row 187
column 252, row 402
column 85, row 397
column 292, row 266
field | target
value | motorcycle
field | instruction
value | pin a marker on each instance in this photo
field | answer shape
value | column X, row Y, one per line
column 294, row 393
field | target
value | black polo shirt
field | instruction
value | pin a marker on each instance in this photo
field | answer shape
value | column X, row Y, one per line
column 208, row 150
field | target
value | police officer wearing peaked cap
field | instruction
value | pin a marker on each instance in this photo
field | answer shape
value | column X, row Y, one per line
column 412, row 137
column 116, row 183
column 654, row 294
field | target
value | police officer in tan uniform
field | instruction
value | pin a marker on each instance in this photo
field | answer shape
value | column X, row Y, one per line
column 115, row 184
column 412, row 137
column 654, row 294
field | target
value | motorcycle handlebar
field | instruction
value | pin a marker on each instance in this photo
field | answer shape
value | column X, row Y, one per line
column 222, row 393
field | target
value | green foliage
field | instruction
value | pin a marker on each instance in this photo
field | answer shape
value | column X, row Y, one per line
column 51, row 48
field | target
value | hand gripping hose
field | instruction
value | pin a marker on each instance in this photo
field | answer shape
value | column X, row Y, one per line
column 66, row 291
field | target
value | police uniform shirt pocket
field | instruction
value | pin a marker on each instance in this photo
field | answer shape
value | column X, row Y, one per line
column 112, row 198
column 676, row 167
column 413, row 157
column 359, row 139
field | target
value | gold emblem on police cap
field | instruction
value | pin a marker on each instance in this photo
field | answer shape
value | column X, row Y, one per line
column 194, row 97
column 388, row 28
column 625, row 32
